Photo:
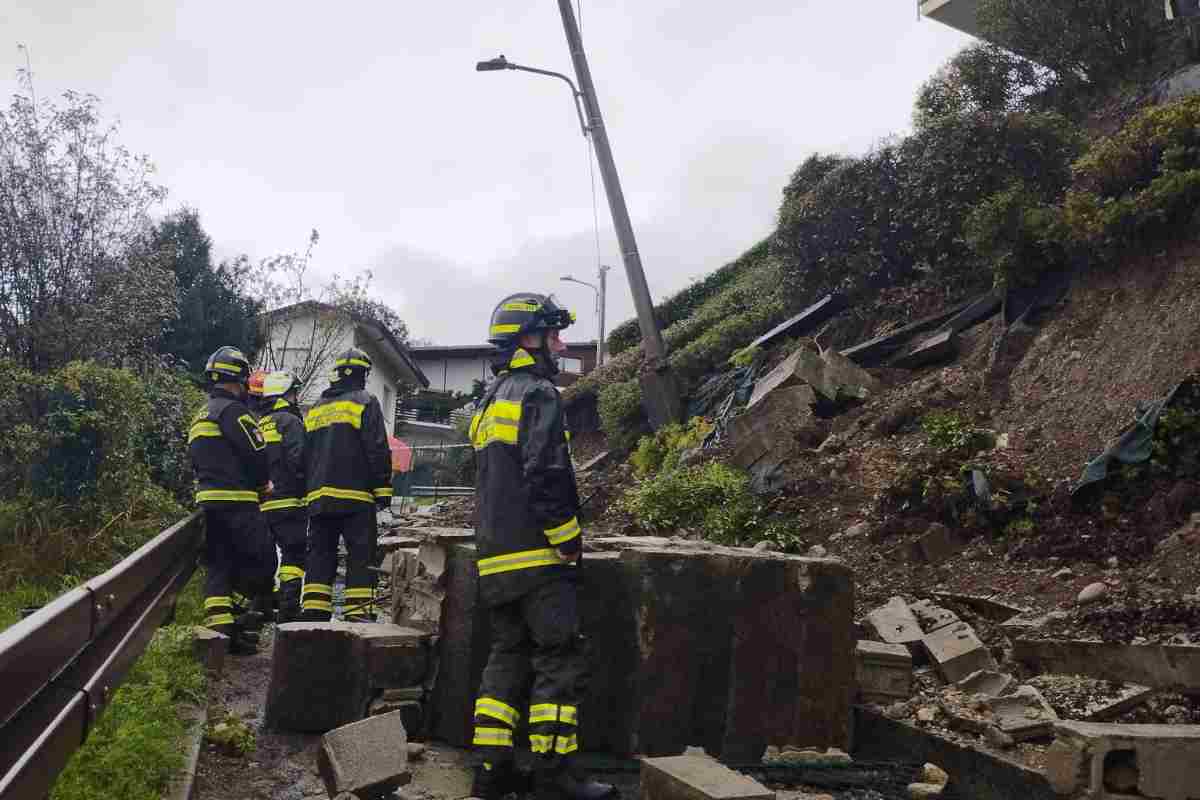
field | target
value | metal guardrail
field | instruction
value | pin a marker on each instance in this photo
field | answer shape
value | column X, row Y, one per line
column 60, row 666
column 441, row 491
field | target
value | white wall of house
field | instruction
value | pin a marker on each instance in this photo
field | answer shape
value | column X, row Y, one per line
column 454, row 374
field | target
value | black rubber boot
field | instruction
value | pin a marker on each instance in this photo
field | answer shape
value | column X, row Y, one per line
column 239, row 643
column 568, row 783
column 499, row 780
column 289, row 601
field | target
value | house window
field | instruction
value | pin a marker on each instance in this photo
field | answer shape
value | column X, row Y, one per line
column 388, row 402
column 571, row 365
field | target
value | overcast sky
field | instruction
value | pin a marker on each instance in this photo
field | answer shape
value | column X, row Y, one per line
column 366, row 120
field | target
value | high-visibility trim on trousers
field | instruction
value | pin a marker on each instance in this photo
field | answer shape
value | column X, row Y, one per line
column 562, row 745
column 525, row 559
column 493, row 737
column 318, row 597
column 289, row 573
column 496, row 709
column 551, row 712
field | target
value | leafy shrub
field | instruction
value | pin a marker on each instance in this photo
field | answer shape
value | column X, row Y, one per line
column 1018, row 234
column 661, row 451
column 713, row 498
column 986, row 77
column 948, row 431
column 621, row 418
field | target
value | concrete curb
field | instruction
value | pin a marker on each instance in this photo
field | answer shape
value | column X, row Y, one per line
column 184, row 784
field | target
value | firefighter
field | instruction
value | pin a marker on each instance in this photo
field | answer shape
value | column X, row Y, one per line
column 229, row 459
column 254, row 390
column 529, row 542
column 348, row 471
column 283, row 429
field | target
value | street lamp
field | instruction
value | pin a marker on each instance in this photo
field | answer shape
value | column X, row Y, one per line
column 601, row 292
column 661, row 395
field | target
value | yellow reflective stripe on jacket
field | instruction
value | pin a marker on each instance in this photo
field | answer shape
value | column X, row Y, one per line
column 343, row 412
column 202, row 429
column 286, row 502
column 521, row 358
column 269, row 431
column 382, row 491
column 550, row 712
column 563, row 533
column 526, row 559
column 499, row 422
column 233, row 495
column 496, row 709
column 559, row 744
column 340, row 494
column 494, row 737
column 280, row 404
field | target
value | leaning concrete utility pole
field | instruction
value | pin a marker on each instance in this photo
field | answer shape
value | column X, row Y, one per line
column 661, row 396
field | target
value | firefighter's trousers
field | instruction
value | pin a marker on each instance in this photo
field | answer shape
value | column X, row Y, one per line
column 359, row 531
column 229, row 536
column 535, row 636
column 290, row 529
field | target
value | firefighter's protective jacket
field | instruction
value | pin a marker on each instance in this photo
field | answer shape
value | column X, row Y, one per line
column 229, row 453
column 283, row 429
column 347, row 461
column 526, row 495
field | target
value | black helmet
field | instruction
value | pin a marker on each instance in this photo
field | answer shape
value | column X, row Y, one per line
column 523, row 313
column 228, row 364
column 352, row 362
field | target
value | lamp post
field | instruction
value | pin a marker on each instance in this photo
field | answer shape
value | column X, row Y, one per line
column 661, row 396
column 601, row 295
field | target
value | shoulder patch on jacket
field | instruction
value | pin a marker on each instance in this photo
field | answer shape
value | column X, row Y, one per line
column 251, row 429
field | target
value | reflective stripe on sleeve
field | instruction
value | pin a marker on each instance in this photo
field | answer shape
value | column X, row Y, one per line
column 563, row 533
column 204, row 428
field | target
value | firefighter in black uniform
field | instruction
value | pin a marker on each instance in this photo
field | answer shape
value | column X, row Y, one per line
column 348, row 469
column 529, row 540
column 283, row 428
column 229, row 459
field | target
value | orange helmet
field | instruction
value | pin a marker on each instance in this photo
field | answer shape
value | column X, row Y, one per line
column 257, row 379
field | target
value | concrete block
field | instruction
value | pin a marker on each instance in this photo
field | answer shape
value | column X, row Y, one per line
column 791, row 679
column 807, row 320
column 895, row 623
column 957, row 651
column 830, row 374
column 319, row 677
column 884, row 672
column 936, row 349
column 607, row 713
column 210, row 649
column 1115, row 761
column 876, row 351
column 1156, row 666
column 987, row 682
column 773, row 424
column 368, row 759
column 987, row 607
column 938, row 543
column 462, row 647
column 1024, row 714
column 1132, row 697
column 388, row 544
column 979, row 311
column 697, row 778
column 397, row 656
column 932, row 617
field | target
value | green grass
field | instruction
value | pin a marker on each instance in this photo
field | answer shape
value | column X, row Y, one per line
column 24, row 595
column 137, row 748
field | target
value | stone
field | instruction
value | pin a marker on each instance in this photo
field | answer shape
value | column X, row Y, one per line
column 812, row 757
column 416, row 751
column 927, row 714
column 369, row 759
column 319, row 677
column 932, row 617
column 1160, row 761
column 923, row 791
column 998, row 738
column 397, row 656
column 936, row 349
column 957, row 652
column 209, row 648
column 1092, row 592
column 1024, row 715
column 1181, row 84
column 765, row 546
column 856, row 530
column 1065, row 574
column 932, row 773
column 817, row 551
column 987, row 682
column 987, row 607
column 697, row 778
column 774, row 424
column 895, row 623
column 1131, row 697
column 1155, row 666
column 884, row 671
column 937, row 544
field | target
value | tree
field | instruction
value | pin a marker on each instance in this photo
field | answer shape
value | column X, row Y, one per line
column 76, row 280
column 215, row 306
column 985, row 78
column 304, row 330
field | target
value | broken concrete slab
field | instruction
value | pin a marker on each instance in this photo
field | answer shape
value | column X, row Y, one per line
column 931, row 616
column 939, row 348
column 830, row 374
column 693, row 777
column 1024, row 714
column 209, row 648
column 987, row 682
column 1131, row 697
column 973, row 772
column 774, row 424
column 979, row 311
column 319, row 677
column 1156, row 666
column 397, row 656
column 386, row 544
column 957, row 651
column 895, row 623
column 368, row 759
column 876, row 351
column 884, row 672
column 806, row 321
column 938, row 543
column 987, row 607
column 1116, row 761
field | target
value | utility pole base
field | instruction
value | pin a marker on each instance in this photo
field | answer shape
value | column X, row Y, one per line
column 662, row 397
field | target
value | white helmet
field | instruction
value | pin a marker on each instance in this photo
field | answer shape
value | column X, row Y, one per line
column 277, row 384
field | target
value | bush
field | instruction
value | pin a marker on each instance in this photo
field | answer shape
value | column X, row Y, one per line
column 713, row 498
column 985, row 77
column 1018, row 234
column 662, row 450
column 949, row 432
column 621, row 417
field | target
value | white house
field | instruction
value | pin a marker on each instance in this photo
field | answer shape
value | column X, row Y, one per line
column 307, row 337
column 962, row 15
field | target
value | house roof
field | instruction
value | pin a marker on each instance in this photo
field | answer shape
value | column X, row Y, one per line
column 392, row 346
column 477, row 350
